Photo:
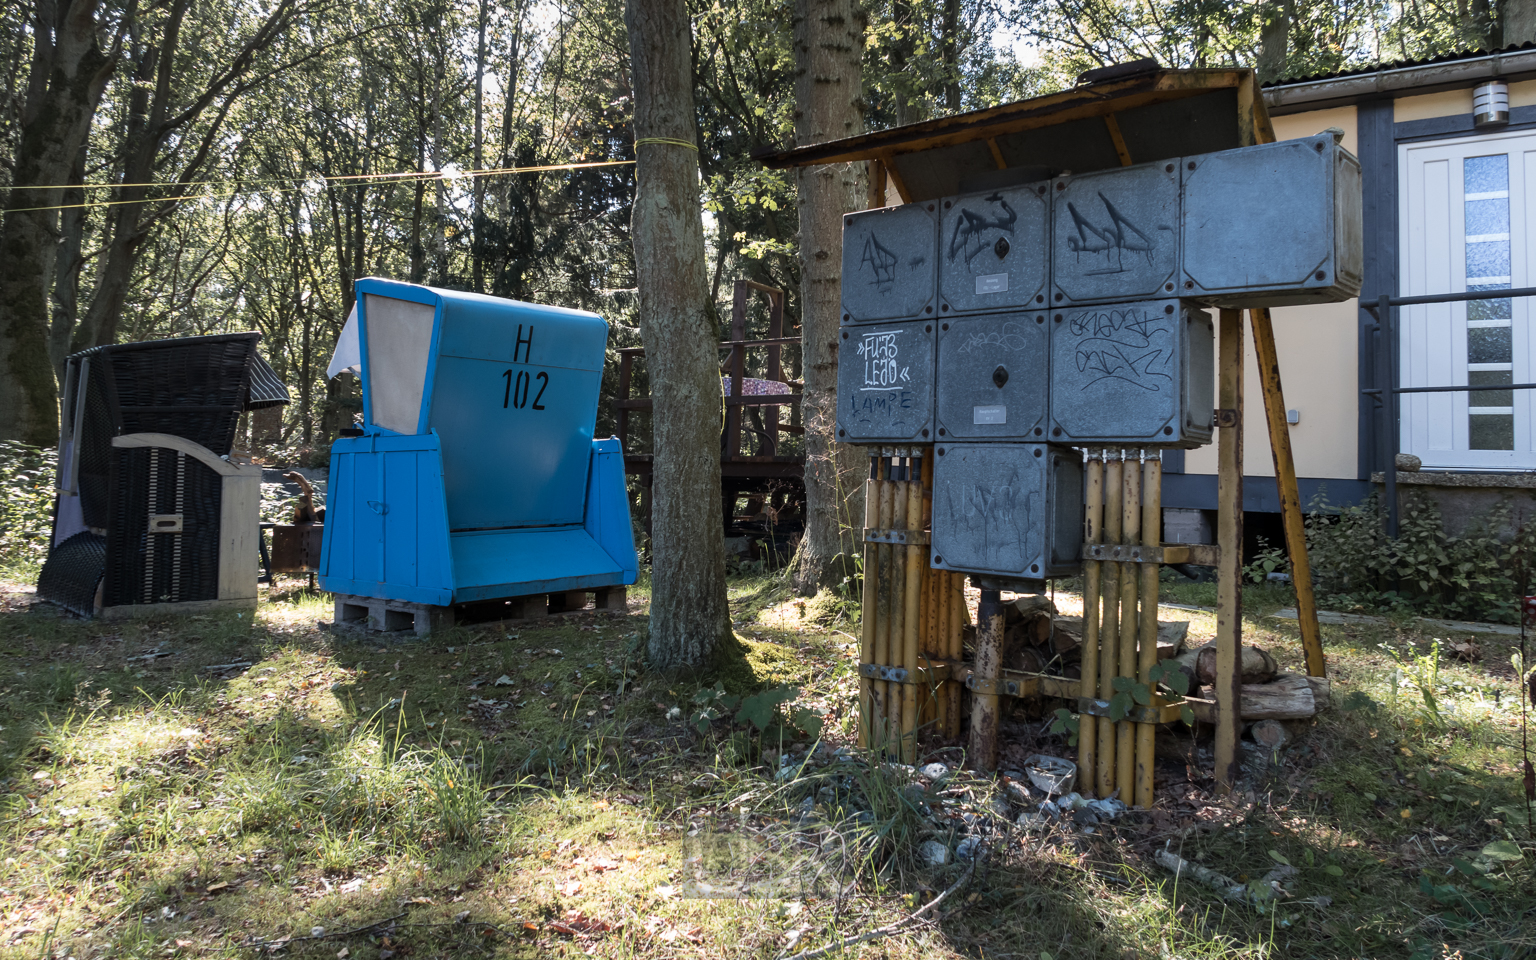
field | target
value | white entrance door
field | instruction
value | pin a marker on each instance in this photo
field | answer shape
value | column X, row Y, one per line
column 1464, row 206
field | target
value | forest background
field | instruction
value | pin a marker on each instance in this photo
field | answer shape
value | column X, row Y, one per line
column 242, row 162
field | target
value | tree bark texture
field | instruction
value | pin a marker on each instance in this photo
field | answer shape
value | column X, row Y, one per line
column 69, row 72
column 828, row 42
column 1519, row 21
column 689, row 614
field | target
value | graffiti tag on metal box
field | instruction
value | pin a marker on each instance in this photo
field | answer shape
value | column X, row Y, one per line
column 1114, row 238
column 1129, row 345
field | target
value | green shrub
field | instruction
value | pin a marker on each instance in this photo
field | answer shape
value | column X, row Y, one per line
column 26, row 509
column 1424, row 570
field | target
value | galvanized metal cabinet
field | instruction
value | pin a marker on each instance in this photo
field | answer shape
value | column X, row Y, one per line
column 889, row 267
column 1115, row 235
column 1136, row 373
column 885, row 382
column 1007, row 509
column 992, row 377
column 994, row 250
column 1273, row 225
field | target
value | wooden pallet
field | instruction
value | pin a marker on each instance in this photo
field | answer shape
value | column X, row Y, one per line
column 395, row 616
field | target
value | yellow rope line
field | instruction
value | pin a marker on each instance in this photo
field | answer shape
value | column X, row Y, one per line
column 344, row 180
column 668, row 140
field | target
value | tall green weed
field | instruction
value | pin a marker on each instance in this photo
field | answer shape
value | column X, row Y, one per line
column 1423, row 570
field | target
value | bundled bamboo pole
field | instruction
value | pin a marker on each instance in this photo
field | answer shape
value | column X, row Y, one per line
column 1093, row 532
column 955, row 617
column 881, row 712
column 1151, row 536
column 897, row 609
column 931, row 707
column 1130, row 576
column 1109, row 622
column 867, row 616
column 912, row 594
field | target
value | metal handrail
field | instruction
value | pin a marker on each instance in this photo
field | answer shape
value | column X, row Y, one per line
column 1386, row 373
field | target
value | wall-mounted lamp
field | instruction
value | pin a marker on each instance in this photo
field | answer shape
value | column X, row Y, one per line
column 1490, row 104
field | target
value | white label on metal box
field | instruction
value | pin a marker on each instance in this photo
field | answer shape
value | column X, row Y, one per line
column 994, row 413
column 992, row 283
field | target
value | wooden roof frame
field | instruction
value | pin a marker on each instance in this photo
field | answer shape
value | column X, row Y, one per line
column 1106, row 99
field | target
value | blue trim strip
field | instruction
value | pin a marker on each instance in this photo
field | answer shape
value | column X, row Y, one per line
column 1378, row 164
column 1459, row 125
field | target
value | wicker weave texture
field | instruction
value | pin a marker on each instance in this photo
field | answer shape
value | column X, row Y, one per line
column 146, row 567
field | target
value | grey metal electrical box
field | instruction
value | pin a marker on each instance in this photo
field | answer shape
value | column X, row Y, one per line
column 885, row 382
column 992, row 377
column 994, row 250
column 1135, row 373
column 1114, row 235
column 1007, row 509
column 890, row 270
column 1273, row 225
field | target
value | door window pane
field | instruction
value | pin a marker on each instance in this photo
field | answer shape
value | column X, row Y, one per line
column 1485, row 183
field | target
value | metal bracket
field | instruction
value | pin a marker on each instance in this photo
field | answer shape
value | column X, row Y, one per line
column 933, row 673
column 1199, row 554
column 909, row 537
column 1226, row 417
column 165, row 523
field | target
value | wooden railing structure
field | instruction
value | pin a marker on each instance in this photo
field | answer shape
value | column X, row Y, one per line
column 740, row 472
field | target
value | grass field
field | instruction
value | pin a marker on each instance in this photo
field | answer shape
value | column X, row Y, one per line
column 229, row 786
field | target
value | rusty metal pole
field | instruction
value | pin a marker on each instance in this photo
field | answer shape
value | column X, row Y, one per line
column 1109, row 621
column 1093, row 532
column 984, row 698
column 869, row 604
column 1130, row 575
column 1146, row 659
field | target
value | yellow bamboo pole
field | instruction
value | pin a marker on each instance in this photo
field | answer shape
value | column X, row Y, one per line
column 1130, row 575
column 898, row 608
column 931, row 704
column 1093, row 532
column 913, row 594
column 883, row 610
column 957, row 616
column 1109, row 622
column 1151, row 536
column 867, row 612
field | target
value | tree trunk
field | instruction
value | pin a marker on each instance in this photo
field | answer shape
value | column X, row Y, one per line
column 689, row 614
column 69, row 72
column 1274, row 35
column 828, row 39
column 1519, row 21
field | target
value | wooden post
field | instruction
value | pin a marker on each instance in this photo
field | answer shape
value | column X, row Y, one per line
column 1146, row 658
column 621, row 412
column 876, row 196
column 1229, row 535
column 738, row 371
column 1109, row 622
column 984, row 698
column 1290, row 496
column 956, row 613
column 882, row 608
column 1093, row 532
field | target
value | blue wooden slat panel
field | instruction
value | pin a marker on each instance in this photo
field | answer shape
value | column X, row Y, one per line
column 367, row 523
column 510, row 563
column 402, row 494
column 608, row 507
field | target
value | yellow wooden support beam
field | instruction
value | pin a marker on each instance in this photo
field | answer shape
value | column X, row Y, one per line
column 1290, row 496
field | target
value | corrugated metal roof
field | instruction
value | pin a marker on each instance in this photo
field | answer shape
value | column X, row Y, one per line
column 1399, row 65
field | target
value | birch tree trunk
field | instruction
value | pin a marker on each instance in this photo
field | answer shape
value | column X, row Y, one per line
column 69, row 72
column 828, row 41
column 689, row 615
